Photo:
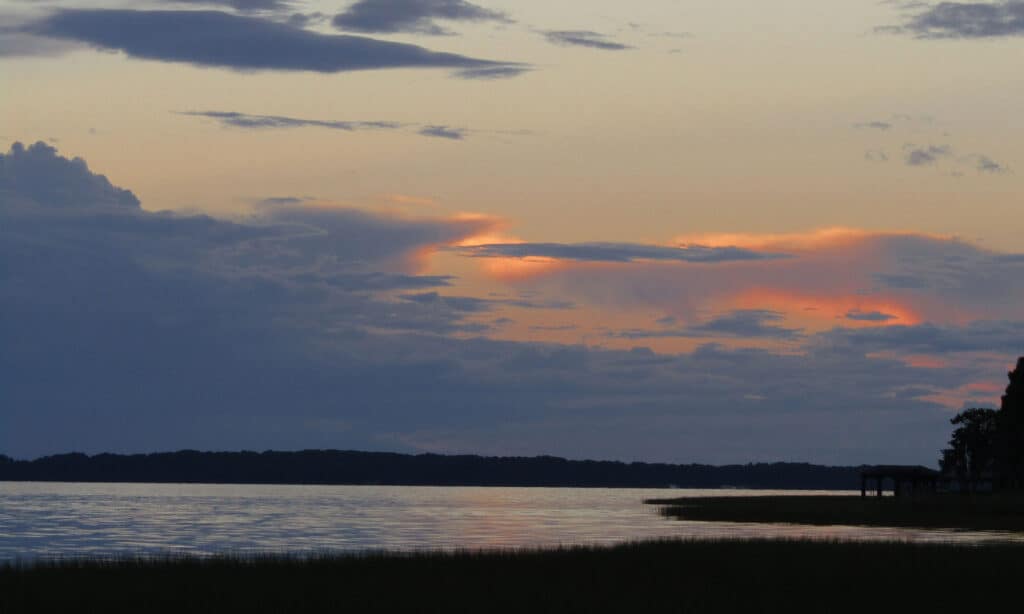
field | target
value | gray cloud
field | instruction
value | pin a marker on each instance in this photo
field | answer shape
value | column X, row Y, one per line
column 239, row 5
column 583, row 38
column 471, row 304
column 869, row 316
column 874, row 125
column 37, row 174
column 965, row 20
column 209, row 38
column 932, row 339
column 125, row 329
column 247, row 120
column 281, row 200
column 443, row 132
column 613, row 252
column 743, row 323
column 926, row 155
column 985, row 164
column 489, row 73
column 418, row 16
column 875, row 155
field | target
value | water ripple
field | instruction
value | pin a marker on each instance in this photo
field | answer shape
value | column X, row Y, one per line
column 60, row 520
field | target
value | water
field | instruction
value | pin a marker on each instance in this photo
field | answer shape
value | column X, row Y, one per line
column 62, row 519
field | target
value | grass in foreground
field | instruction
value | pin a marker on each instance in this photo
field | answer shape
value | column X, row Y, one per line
column 670, row 576
column 981, row 512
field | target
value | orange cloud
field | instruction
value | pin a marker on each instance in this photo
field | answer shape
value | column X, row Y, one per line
column 827, row 309
column 810, row 241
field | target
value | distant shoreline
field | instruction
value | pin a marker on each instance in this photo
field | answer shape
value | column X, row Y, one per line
column 337, row 467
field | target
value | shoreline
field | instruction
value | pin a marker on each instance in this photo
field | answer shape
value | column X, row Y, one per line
column 1004, row 512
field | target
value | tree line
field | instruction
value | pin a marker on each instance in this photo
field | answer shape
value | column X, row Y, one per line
column 385, row 468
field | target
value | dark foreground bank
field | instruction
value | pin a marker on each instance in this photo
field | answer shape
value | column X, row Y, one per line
column 699, row 576
column 384, row 468
column 993, row 512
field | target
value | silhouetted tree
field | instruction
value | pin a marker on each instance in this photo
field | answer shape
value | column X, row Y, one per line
column 1010, row 443
column 972, row 448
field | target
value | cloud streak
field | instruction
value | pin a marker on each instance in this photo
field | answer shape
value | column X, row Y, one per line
column 614, row 252
column 583, row 38
column 741, row 324
column 235, row 119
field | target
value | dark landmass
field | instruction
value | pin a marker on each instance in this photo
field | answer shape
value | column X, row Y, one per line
column 667, row 576
column 994, row 512
column 346, row 467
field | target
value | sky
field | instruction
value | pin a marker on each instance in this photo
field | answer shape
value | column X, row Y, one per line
column 716, row 231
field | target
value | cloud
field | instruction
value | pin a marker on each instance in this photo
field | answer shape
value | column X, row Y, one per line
column 744, row 324
column 237, row 42
column 489, row 73
column 125, row 329
column 35, row 173
column 985, row 164
column 965, row 20
column 583, row 38
column 281, row 200
column 874, row 125
column 875, row 155
column 258, row 122
column 246, row 120
column 472, row 304
column 933, row 339
column 926, row 155
column 417, row 16
column 239, row 5
column 828, row 274
column 869, row 316
column 612, row 252
column 443, row 132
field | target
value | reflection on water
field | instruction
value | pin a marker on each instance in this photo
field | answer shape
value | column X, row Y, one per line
column 57, row 519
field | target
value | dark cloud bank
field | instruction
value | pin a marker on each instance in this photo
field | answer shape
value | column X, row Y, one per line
column 128, row 330
column 241, row 42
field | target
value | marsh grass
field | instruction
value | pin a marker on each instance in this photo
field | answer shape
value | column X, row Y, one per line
column 1004, row 512
column 673, row 576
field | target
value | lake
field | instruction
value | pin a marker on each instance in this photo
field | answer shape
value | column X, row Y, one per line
column 47, row 519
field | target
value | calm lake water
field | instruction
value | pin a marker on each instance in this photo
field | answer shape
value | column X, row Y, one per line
column 61, row 519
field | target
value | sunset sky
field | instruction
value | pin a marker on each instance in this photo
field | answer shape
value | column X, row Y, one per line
column 670, row 230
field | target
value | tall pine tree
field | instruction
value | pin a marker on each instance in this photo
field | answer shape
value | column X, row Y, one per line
column 1011, row 431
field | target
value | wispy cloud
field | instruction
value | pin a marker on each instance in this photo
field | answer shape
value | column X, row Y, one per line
column 614, row 252
column 417, row 16
column 873, row 125
column 743, row 323
column 443, row 132
column 583, row 38
column 260, row 122
column 925, row 155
